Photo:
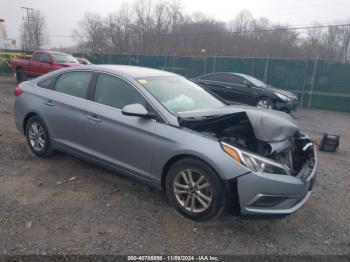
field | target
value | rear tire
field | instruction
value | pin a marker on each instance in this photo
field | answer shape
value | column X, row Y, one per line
column 20, row 75
column 195, row 190
column 38, row 138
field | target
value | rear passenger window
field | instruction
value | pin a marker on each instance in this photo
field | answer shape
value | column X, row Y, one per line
column 74, row 83
column 115, row 92
column 46, row 83
column 233, row 79
column 44, row 58
column 225, row 78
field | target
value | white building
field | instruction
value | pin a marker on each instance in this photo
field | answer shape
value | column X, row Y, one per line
column 2, row 29
column 5, row 43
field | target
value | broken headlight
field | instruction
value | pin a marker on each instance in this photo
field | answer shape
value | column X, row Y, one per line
column 254, row 162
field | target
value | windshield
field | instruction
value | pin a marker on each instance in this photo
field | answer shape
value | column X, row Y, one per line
column 255, row 81
column 178, row 94
column 64, row 58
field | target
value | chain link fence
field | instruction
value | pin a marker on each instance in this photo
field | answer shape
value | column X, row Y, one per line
column 318, row 83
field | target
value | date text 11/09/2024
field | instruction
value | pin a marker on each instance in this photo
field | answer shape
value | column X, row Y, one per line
column 173, row 258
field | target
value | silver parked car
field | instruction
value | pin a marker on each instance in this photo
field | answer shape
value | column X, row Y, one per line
column 164, row 130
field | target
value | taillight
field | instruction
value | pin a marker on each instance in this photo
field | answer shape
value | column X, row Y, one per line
column 18, row 91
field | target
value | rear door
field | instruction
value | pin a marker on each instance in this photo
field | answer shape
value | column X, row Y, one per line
column 64, row 110
column 213, row 83
column 122, row 141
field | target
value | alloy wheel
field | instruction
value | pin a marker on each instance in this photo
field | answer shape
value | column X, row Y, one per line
column 37, row 138
column 263, row 103
column 192, row 190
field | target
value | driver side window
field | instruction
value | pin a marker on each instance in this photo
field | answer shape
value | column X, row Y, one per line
column 36, row 57
column 44, row 58
column 115, row 92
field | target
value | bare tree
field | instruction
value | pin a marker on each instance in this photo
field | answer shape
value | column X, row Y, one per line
column 330, row 42
column 113, row 32
column 125, row 18
column 33, row 31
column 92, row 32
column 118, row 30
column 244, row 21
column 160, row 27
column 344, row 41
column 143, row 24
column 176, row 14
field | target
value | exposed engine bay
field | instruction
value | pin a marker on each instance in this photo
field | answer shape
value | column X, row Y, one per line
column 275, row 136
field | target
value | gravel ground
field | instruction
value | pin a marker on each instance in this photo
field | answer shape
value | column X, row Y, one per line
column 100, row 212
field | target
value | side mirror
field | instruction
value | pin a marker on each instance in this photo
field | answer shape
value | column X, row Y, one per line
column 137, row 110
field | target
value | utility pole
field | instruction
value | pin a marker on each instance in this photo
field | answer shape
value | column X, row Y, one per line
column 29, row 18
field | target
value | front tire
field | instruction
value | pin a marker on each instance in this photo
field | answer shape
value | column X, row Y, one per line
column 264, row 102
column 195, row 190
column 38, row 137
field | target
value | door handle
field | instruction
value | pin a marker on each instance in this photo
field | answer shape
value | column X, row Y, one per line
column 94, row 117
column 49, row 103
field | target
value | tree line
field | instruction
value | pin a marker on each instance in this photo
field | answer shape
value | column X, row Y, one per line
column 163, row 28
column 33, row 31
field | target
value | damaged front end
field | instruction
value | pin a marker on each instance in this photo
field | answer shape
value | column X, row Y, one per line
column 267, row 143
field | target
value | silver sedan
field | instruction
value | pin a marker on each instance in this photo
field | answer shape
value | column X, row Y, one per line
column 166, row 131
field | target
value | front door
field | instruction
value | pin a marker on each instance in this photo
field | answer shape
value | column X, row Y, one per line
column 237, row 90
column 44, row 65
column 125, row 142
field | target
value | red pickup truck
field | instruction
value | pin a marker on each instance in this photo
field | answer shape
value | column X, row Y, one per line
column 41, row 63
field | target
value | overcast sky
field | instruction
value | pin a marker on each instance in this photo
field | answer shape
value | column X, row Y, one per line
column 62, row 15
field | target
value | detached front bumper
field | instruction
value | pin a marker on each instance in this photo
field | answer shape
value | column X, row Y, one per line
column 270, row 194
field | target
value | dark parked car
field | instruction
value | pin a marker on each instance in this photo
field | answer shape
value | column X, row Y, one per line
column 241, row 88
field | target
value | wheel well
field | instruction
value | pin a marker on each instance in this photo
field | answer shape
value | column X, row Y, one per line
column 263, row 96
column 174, row 159
column 230, row 186
column 26, row 119
column 18, row 67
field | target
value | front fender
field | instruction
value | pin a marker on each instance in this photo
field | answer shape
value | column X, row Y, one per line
column 174, row 142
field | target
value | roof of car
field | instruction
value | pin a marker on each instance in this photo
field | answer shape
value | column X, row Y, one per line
column 228, row 73
column 240, row 74
column 49, row 52
column 131, row 71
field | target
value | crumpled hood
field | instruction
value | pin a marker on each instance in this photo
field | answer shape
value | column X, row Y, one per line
column 268, row 125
